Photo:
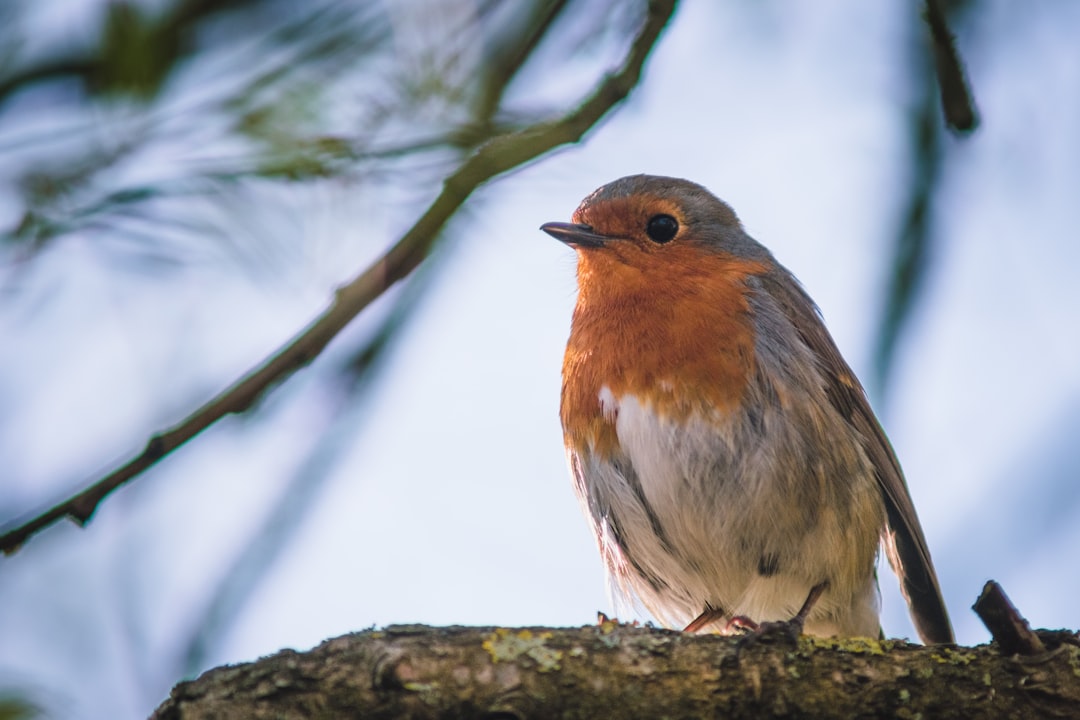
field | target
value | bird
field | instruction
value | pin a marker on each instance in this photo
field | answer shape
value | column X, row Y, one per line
column 724, row 454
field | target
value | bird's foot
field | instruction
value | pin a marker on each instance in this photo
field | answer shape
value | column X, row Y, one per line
column 741, row 623
column 784, row 631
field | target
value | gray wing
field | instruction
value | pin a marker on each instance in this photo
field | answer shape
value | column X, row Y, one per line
column 905, row 545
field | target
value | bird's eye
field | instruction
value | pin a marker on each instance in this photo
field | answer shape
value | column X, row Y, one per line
column 662, row 228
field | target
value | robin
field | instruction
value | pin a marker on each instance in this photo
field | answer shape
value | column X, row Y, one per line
column 723, row 451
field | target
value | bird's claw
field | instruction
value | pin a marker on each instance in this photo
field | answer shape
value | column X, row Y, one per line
column 779, row 632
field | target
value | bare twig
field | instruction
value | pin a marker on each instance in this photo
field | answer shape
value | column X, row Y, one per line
column 1005, row 623
column 956, row 100
column 271, row 538
column 507, row 61
column 499, row 155
column 265, row 544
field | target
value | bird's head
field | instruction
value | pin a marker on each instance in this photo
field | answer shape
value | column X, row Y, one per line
column 648, row 231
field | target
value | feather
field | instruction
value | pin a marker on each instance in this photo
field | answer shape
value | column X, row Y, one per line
column 905, row 545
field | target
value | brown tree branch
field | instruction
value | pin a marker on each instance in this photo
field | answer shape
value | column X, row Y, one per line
column 617, row 671
column 271, row 538
column 499, row 155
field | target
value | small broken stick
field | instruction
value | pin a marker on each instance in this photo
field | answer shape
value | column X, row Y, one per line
column 1011, row 631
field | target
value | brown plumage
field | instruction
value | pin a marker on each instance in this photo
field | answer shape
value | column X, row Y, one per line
column 724, row 453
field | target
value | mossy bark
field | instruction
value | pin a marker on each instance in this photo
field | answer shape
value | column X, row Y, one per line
column 619, row 671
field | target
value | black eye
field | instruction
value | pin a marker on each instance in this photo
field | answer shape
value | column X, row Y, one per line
column 662, row 228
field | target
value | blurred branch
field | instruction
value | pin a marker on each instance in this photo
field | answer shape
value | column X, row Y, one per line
column 321, row 157
column 501, row 154
column 266, row 543
column 135, row 53
column 912, row 249
column 957, row 103
column 914, row 244
column 53, row 69
column 260, row 98
column 509, row 58
column 14, row 707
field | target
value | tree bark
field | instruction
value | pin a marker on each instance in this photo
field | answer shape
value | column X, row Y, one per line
column 620, row 671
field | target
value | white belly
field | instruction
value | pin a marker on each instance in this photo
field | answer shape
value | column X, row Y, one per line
column 684, row 522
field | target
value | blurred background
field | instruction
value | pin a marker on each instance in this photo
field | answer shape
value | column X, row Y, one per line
column 184, row 183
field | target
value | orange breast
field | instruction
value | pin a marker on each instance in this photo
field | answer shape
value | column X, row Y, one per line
column 675, row 331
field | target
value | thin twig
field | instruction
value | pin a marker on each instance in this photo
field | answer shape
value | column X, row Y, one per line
column 956, row 99
column 271, row 538
column 506, row 62
column 494, row 158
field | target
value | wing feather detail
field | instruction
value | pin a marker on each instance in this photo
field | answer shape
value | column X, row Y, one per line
column 905, row 544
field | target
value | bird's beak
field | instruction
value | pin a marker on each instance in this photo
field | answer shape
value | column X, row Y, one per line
column 574, row 235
